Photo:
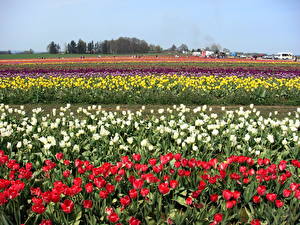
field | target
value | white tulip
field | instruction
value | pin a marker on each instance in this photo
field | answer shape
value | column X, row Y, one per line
column 144, row 142
column 195, row 148
column 96, row 137
column 247, row 137
column 270, row 138
column 215, row 132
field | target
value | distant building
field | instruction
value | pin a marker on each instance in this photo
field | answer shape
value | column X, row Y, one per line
column 196, row 54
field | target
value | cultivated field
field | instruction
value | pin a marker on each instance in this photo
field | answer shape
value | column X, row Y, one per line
column 149, row 140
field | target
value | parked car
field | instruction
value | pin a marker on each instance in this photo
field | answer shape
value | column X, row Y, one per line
column 268, row 57
column 284, row 56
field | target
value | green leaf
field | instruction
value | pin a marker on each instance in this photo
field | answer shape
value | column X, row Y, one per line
column 78, row 217
column 4, row 220
column 249, row 192
column 184, row 193
column 180, row 200
column 150, row 220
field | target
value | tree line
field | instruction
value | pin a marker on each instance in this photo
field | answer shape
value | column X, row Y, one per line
column 122, row 45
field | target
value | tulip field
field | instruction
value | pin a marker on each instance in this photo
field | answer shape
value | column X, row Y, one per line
column 149, row 80
column 182, row 163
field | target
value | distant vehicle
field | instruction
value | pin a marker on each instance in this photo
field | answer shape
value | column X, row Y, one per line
column 268, row 57
column 243, row 56
column 208, row 53
column 284, row 56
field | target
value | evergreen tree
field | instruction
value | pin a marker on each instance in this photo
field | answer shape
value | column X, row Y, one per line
column 53, row 48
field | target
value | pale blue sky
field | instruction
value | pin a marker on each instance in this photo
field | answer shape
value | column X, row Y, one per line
column 267, row 26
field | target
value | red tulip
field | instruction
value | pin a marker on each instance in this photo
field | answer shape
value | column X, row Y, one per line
column 266, row 161
column 87, row 204
column 212, row 180
column 110, row 188
column 286, row 193
column 177, row 156
column 113, row 217
column 201, row 185
column 81, row 170
column 282, row 166
column 144, row 192
column 170, row 221
column 77, row 181
column 59, row 156
column 255, row 222
column 177, row 164
column 136, row 157
column 163, row 188
column 173, row 184
column 103, row 194
column 134, row 221
column 118, row 178
column 67, row 162
column 66, row 173
column 246, row 180
column 38, row 208
column 133, row 193
column 55, row 197
column 227, row 195
column 67, row 206
column 78, row 163
column 89, row 187
column 218, row 217
column 152, row 162
column 243, row 169
column 99, row 182
column 196, row 193
column 181, row 173
column 109, row 210
column 256, row 199
column 213, row 162
column 251, row 172
column 297, row 194
column 125, row 201
column 236, row 194
column 261, row 190
column 166, row 177
column 294, row 186
column 114, row 170
column 214, row 197
column 230, row 204
column 121, row 172
column 138, row 183
column 260, row 162
column 37, row 201
column 34, row 191
column 187, row 173
column 271, row 197
column 267, row 178
column 235, row 176
column 279, row 203
column 46, row 222
column 125, row 159
column 189, row 201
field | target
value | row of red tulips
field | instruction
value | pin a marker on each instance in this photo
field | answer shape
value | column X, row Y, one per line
column 170, row 189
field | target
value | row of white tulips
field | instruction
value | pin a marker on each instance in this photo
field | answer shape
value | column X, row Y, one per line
column 93, row 133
